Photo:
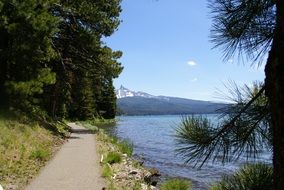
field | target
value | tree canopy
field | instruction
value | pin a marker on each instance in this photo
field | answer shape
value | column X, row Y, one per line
column 53, row 61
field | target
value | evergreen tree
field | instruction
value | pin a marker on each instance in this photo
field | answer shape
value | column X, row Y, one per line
column 106, row 101
column 52, row 56
column 83, row 24
column 26, row 28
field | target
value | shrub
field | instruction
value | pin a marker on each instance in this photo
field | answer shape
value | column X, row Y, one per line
column 250, row 177
column 113, row 157
column 176, row 184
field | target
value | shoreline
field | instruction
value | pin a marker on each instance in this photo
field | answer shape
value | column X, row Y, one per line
column 128, row 173
column 125, row 170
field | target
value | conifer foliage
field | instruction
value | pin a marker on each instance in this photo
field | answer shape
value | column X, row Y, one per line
column 53, row 61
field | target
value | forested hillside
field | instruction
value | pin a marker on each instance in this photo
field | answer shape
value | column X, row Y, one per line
column 53, row 62
column 166, row 106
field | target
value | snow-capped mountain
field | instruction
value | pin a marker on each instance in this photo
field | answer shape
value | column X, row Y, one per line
column 141, row 103
column 123, row 92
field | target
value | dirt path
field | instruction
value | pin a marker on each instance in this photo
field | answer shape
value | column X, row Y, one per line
column 74, row 167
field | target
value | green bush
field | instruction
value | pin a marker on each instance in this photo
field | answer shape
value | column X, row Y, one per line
column 250, row 177
column 113, row 157
column 176, row 184
column 125, row 147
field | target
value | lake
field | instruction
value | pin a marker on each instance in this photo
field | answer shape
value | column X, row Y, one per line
column 152, row 137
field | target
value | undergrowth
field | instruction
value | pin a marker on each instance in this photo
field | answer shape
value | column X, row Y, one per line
column 113, row 157
column 176, row 184
column 25, row 146
column 107, row 171
column 249, row 177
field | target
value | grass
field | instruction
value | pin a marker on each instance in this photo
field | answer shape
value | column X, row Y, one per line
column 99, row 122
column 40, row 153
column 137, row 186
column 25, row 146
column 89, row 126
column 125, row 147
column 113, row 150
column 176, row 184
column 107, row 171
column 113, row 157
column 95, row 124
column 112, row 186
column 249, row 177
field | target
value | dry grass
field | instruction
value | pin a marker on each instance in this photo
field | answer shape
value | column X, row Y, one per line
column 24, row 149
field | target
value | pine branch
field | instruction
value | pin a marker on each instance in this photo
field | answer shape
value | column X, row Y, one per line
column 232, row 121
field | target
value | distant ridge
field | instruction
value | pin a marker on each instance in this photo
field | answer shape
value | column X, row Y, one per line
column 140, row 103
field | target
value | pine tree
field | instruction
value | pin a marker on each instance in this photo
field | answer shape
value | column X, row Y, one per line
column 52, row 56
column 79, row 44
column 252, row 27
column 26, row 29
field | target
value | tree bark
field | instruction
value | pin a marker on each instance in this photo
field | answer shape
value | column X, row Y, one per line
column 274, row 86
column 3, row 94
column 3, row 67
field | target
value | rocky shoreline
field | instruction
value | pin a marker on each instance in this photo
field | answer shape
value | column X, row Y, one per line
column 128, row 173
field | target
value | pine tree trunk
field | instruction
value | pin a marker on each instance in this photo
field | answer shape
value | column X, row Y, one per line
column 274, row 84
column 3, row 68
column 4, row 102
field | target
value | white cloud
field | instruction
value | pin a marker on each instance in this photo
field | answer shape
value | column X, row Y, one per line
column 191, row 63
column 230, row 61
column 193, row 80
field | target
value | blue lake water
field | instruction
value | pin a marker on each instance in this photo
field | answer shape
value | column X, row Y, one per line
column 152, row 137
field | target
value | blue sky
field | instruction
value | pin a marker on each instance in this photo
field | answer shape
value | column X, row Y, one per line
column 167, row 51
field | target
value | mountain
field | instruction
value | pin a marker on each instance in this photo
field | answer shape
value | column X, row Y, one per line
column 141, row 103
column 123, row 92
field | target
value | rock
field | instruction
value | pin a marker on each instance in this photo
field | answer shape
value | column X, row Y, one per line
column 154, row 182
column 122, row 176
column 155, row 172
column 151, row 179
column 139, row 159
column 114, row 176
column 11, row 187
column 138, row 177
column 140, row 163
column 133, row 172
column 153, row 188
column 144, row 186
